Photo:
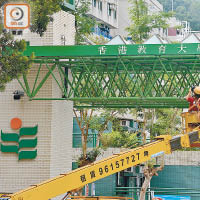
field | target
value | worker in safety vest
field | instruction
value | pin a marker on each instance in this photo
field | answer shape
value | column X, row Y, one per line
column 193, row 98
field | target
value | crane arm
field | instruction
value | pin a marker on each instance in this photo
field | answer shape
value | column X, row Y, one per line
column 106, row 167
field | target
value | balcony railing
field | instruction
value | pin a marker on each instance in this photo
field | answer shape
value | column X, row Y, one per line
column 100, row 32
column 68, row 5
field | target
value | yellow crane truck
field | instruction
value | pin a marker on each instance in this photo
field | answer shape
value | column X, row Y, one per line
column 164, row 144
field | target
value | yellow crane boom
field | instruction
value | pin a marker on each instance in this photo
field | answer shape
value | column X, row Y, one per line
column 100, row 169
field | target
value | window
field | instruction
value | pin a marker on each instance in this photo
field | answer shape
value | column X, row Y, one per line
column 70, row 1
column 74, row 165
column 115, row 14
column 17, row 32
column 109, row 9
column 77, row 141
column 100, row 5
column 123, row 123
column 95, row 3
column 68, row 5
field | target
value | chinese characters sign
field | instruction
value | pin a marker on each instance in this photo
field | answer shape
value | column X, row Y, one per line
column 118, row 164
column 115, row 50
column 160, row 49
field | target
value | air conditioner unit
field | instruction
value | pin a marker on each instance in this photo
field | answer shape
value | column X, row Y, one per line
column 130, row 169
column 139, row 169
column 123, row 122
column 112, row 6
column 16, row 32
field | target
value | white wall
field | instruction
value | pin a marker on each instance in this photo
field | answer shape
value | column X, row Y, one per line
column 54, row 118
column 63, row 25
column 183, row 158
column 103, row 16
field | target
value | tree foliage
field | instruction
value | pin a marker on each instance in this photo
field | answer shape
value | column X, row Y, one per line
column 157, row 122
column 166, row 121
column 160, row 121
column 83, row 23
column 87, row 119
column 149, row 171
column 186, row 10
column 142, row 22
column 98, row 40
column 41, row 13
column 12, row 61
column 120, row 139
column 101, row 121
column 83, row 118
column 89, row 158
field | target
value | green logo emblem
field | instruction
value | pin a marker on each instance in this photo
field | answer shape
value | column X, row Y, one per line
column 22, row 143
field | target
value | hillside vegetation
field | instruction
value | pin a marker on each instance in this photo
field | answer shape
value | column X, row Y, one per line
column 188, row 10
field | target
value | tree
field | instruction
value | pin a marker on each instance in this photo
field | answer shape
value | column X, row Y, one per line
column 159, row 122
column 83, row 118
column 181, row 12
column 12, row 62
column 83, row 23
column 185, row 10
column 149, row 172
column 101, row 120
column 194, row 15
column 120, row 139
column 86, row 120
column 98, row 40
column 42, row 11
column 142, row 23
column 167, row 4
column 166, row 121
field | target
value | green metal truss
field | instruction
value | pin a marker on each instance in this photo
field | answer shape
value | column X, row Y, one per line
column 118, row 76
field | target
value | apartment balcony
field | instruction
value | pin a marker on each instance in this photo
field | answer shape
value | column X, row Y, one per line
column 100, row 32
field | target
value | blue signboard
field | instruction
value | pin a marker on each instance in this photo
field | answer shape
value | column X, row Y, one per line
column 171, row 197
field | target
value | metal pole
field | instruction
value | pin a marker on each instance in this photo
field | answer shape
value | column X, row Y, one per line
column 172, row 5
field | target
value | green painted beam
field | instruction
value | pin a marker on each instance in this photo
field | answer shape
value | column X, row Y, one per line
column 96, row 99
column 127, row 106
column 118, row 75
column 115, row 50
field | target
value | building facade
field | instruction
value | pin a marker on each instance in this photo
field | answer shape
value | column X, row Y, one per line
column 105, row 13
column 53, row 119
column 123, row 16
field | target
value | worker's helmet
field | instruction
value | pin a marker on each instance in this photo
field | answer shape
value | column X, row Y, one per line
column 197, row 90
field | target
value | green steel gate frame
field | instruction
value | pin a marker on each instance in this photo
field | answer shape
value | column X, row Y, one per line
column 118, row 76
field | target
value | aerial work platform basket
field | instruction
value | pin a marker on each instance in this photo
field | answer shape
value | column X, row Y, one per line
column 191, row 122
